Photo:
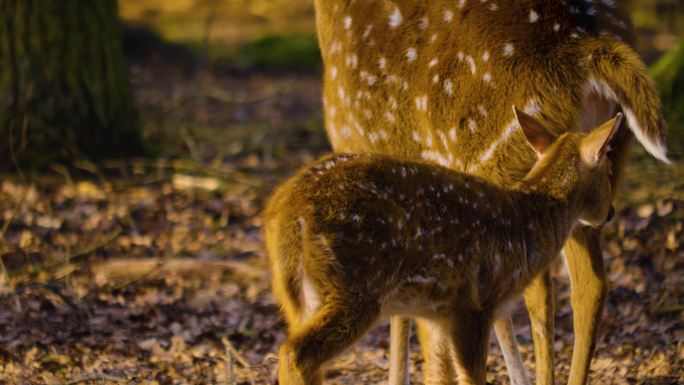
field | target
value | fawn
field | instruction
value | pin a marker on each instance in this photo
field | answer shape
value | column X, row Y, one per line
column 432, row 80
column 359, row 236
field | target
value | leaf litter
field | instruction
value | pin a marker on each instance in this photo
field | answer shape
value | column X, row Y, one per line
column 153, row 272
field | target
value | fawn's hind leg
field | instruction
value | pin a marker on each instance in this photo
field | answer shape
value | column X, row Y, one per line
column 332, row 328
column 471, row 336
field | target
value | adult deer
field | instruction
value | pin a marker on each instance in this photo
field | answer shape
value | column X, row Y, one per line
column 434, row 80
column 355, row 237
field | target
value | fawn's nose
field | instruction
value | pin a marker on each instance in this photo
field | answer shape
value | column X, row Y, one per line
column 611, row 214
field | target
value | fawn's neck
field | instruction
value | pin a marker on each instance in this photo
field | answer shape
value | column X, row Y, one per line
column 548, row 221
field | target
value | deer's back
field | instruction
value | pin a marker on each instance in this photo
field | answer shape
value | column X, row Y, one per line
column 411, row 223
column 436, row 79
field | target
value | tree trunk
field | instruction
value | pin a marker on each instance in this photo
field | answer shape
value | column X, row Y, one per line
column 64, row 90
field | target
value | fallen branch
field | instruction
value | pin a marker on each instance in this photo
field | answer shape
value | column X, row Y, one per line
column 135, row 269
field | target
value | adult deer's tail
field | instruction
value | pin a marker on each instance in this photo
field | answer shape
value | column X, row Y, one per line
column 616, row 72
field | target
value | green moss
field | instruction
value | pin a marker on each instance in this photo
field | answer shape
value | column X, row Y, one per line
column 668, row 72
column 278, row 52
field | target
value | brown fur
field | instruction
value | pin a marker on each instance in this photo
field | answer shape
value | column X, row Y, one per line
column 568, row 65
column 384, row 236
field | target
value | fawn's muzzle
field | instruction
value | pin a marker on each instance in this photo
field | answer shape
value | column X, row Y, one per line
column 611, row 214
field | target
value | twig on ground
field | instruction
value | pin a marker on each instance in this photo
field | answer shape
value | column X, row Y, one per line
column 229, row 367
column 96, row 245
column 97, row 377
column 667, row 309
column 240, row 359
column 57, row 290
column 223, row 172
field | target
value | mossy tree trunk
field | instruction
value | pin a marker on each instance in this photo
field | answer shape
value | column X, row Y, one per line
column 64, row 89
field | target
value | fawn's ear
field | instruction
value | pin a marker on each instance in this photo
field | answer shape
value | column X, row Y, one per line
column 538, row 136
column 597, row 143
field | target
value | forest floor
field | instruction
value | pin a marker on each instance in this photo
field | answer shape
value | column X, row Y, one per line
column 153, row 272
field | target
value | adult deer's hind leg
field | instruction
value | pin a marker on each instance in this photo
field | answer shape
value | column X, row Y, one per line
column 589, row 288
column 438, row 353
column 539, row 300
column 399, row 350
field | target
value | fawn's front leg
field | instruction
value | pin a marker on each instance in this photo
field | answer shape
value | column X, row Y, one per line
column 330, row 330
column 438, row 354
column 589, row 288
column 399, row 351
column 539, row 300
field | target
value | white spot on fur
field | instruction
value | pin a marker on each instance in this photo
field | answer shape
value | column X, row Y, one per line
column 421, row 103
column 452, row 134
column 487, row 77
column 352, row 61
column 448, row 15
column 472, row 125
column 508, row 49
column 347, row 22
column 534, row 16
column 556, row 27
column 433, row 62
column 448, row 86
column 382, row 62
column 390, row 117
column 335, row 47
column 471, row 62
column 436, row 157
column 485, row 56
column 411, row 54
column 395, row 18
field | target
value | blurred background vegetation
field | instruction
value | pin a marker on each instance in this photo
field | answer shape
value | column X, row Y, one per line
column 239, row 76
column 246, row 33
column 279, row 35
